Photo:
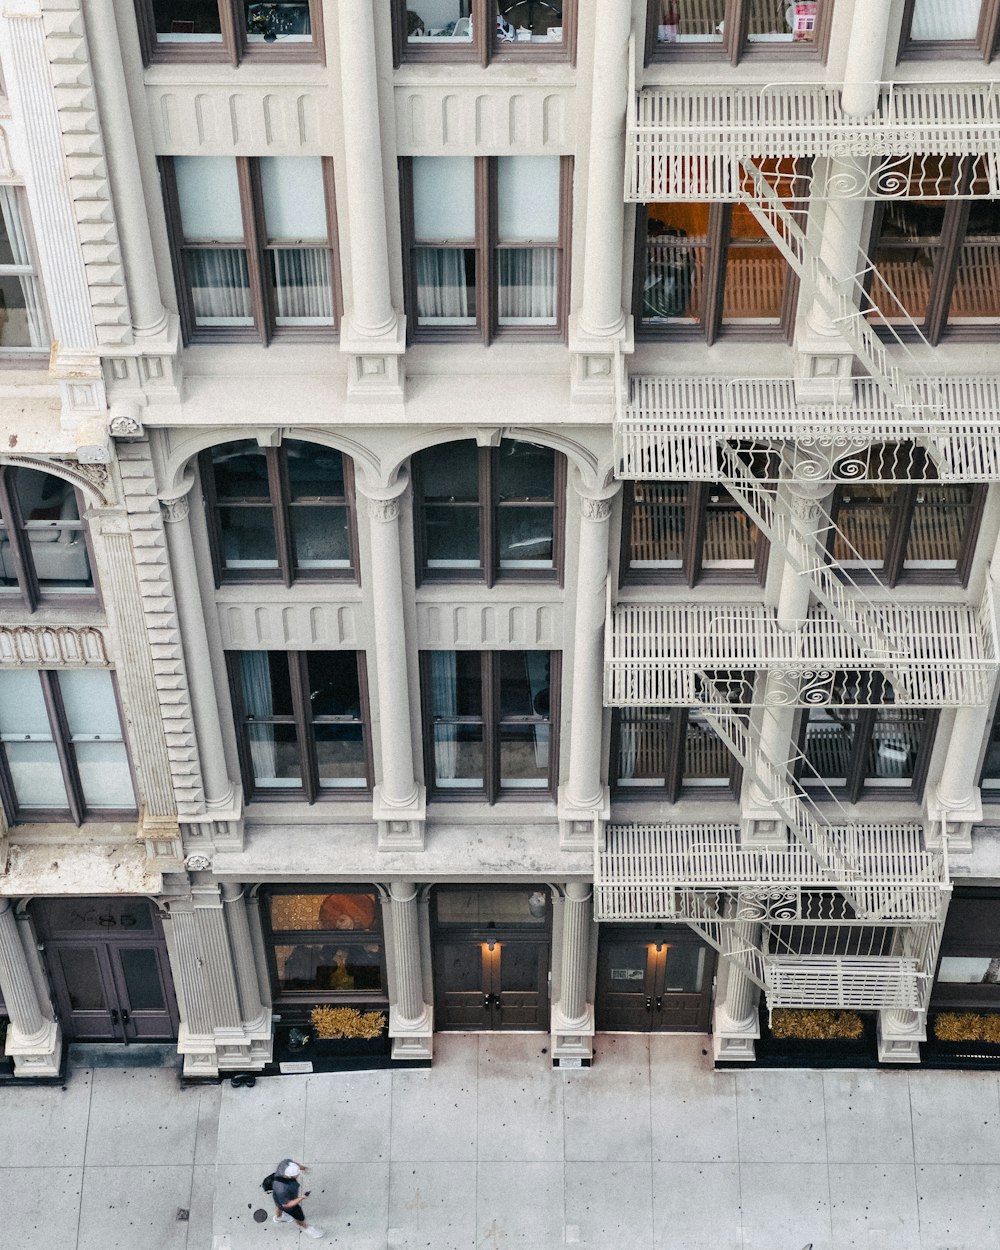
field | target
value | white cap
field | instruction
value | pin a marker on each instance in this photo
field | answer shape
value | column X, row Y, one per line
column 292, row 1169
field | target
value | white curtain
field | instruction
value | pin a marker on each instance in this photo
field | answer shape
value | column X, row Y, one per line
column 255, row 672
column 220, row 286
column 34, row 331
column 527, row 285
column 442, row 291
column 303, row 291
column 629, row 728
column 945, row 19
column 444, row 703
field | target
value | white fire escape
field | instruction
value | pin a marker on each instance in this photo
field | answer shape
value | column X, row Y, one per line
column 845, row 913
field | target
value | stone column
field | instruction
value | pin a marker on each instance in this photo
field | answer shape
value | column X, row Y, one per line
column 583, row 801
column 399, row 804
column 255, row 1015
column 865, row 62
column 149, row 317
column 735, row 1024
column 411, row 1020
column 601, row 322
column 956, row 800
column 222, row 797
column 899, row 1034
column 34, row 1039
column 373, row 332
column 573, row 1016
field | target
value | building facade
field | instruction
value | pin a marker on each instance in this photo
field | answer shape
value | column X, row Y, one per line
column 498, row 516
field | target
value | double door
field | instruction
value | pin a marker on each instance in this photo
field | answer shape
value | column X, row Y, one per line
column 652, row 982
column 112, row 985
column 494, row 985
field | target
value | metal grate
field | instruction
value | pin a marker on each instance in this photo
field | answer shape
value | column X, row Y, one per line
column 833, row 981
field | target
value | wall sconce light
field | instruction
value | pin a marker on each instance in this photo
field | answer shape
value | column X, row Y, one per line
column 491, row 945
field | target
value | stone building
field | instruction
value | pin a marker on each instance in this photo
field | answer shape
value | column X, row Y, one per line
column 498, row 516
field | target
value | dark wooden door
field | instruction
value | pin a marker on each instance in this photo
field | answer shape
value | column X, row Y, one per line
column 653, row 983
column 625, row 983
column 493, row 985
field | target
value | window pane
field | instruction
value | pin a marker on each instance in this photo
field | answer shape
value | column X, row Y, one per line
column 991, row 765
column 945, row 19
column 340, row 756
column 977, row 293
column 274, row 753
column 525, row 537
column 248, row 540
column 141, row 973
column 528, row 282
column 525, row 471
column 528, row 199
column 89, row 703
column 35, row 772
column 659, row 512
column 524, row 756
column 755, row 272
column 968, row 970
column 533, row 21
column 21, row 322
column 104, row 774
column 685, row 969
column 82, row 975
column 444, row 203
column 292, row 186
column 690, row 21
column 187, row 21
column 778, row 21
column 730, row 536
column 320, row 537
column 446, row 286
column 333, row 684
column 302, row 285
column 314, row 471
column 240, row 470
column 456, row 684
column 439, row 21
column 449, row 477
column 451, row 536
column 53, row 529
column 937, row 530
column 354, row 910
column 266, row 686
column 673, row 282
column 892, row 754
column 458, row 756
column 329, row 967
column 707, row 761
column 22, row 706
column 863, row 519
column 644, row 740
column 828, row 747
column 524, row 683
column 278, row 22
column 220, row 286
column 906, row 258
column 208, row 191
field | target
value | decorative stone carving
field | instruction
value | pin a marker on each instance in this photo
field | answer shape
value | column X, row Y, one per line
column 124, row 425
column 594, row 509
column 435, row 119
column 197, row 862
column 37, row 645
column 487, row 625
column 383, row 509
column 94, row 478
column 176, row 509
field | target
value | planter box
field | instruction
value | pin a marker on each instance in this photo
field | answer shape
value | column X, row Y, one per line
column 339, row 1054
column 795, row 1052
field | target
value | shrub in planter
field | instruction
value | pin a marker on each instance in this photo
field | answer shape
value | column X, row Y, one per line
column 816, row 1025
column 332, row 1023
column 967, row 1026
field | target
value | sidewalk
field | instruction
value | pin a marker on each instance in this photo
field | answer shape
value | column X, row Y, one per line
column 492, row 1150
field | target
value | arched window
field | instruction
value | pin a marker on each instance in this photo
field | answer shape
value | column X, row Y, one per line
column 44, row 552
column 281, row 514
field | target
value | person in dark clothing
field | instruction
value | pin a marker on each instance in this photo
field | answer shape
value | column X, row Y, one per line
column 288, row 1197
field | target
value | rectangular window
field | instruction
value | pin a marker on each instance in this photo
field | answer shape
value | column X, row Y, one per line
column 62, row 753
column 949, row 28
column 489, row 513
column 484, row 31
column 490, row 723
column 678, row 531
column 253, row 246
column 230, row 30
column 279, row 513
column 487, row 242
column 23, row 325
column 669, row 753
column 44, row 542
column 735, row 29
column 325, row 946
column 711, row 270
column 302, row 720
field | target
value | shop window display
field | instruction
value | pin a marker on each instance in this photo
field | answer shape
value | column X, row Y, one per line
column 326, row 945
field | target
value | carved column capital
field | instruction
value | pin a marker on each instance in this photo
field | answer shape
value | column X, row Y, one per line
column 176, row 506
column 383, row 501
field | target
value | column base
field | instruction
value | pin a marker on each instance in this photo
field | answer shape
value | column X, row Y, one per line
column 572, row 1040
column 375, row 369
column 899, row 1040
column 733, row 1040
column 957, row 819
column 412, row 1039
column 400, row 828
column 762, row 828
column 161, row 836
column 38, row 1055
column 227, row 1050
column 593, row 368
column 580, row 826
column 220, row 828
column 147, row 369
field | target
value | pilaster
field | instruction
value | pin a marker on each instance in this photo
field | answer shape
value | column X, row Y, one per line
column 411, row 1020
column 572, row 1024
column 34, row 1038
column 735, row 1026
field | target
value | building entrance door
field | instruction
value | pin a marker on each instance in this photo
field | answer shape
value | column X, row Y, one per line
column 107, row 962
column 653, row 982
column 498, row 984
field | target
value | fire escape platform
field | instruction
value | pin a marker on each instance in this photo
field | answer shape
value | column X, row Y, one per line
column 842, row 981
column 672, row 872
column 656, row 652
column 670, row 429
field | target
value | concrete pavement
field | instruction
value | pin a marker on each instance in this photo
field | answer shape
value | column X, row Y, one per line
column 492, row 1150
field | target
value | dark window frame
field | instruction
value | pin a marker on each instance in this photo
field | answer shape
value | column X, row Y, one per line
column 485, row 245
column 291, row 937
column 234, row 47
column 490, row 573
column 735, row 47
column 32, row 594
column 711, row 327
column 902, row 508
column 280, row 504
column 310, row 790
column 481, row 49
column 857, row 787
column 691, row 573
column 983, row 47
column 491, row 792
column 674, row 787
column 28, row 357
column 76, row 810
column 255, row 244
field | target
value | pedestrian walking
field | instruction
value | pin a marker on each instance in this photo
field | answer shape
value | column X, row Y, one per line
column 287, row 1195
